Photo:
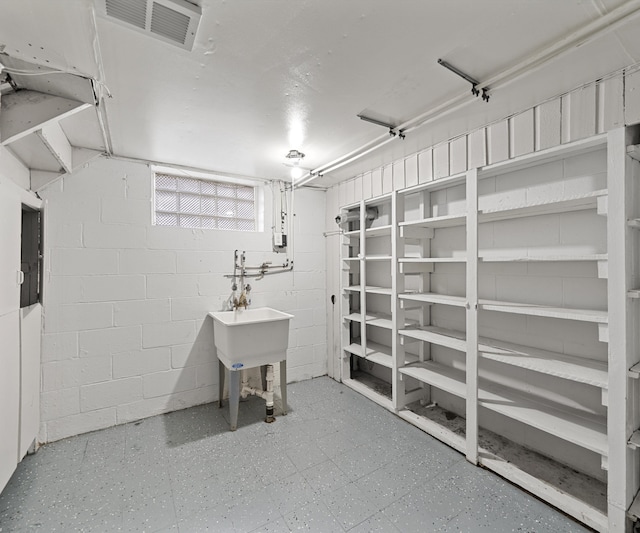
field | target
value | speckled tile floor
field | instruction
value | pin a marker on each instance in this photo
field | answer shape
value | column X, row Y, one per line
column 336, row 462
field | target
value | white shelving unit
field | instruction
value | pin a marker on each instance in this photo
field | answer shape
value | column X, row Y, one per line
column 367, row 331
column 512, row 296
column 565, row 313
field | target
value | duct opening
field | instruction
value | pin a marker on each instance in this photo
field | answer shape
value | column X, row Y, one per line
column 172, row 21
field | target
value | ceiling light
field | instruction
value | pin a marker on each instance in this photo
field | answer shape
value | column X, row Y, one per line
column 296, row 127
column 295, row 156
column 296, row 173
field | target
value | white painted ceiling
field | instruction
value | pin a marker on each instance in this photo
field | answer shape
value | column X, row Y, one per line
column 267, row 76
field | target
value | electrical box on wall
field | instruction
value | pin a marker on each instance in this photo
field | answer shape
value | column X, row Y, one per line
column 279, row 242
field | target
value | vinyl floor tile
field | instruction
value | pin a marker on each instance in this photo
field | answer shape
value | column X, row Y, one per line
column 337, row 462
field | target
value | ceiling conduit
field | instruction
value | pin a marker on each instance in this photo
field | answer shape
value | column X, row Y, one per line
column 100, row 88
column 599, row 27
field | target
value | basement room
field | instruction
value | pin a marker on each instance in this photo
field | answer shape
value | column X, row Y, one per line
column 329, row 266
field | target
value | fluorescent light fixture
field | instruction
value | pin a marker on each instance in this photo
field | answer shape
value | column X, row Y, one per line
column 376, row 121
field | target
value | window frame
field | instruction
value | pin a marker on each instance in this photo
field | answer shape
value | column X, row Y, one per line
column 257, row 200
column 31, row 247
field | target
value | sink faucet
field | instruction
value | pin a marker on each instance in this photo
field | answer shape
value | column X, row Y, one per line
column 244, row 300
column 240, row 302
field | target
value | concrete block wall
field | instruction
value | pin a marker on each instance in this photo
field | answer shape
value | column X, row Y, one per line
column 126, row 333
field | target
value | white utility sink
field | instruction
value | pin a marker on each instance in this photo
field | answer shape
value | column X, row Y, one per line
column 247, row 338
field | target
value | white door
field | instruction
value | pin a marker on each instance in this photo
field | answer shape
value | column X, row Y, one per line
column 9, row 394
column 10, row 232
column 30, row 341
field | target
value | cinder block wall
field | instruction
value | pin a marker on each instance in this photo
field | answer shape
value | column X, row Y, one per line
column 126, row 333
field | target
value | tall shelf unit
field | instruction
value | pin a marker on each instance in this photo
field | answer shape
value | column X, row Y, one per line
column 510, row 318
column 367, row 298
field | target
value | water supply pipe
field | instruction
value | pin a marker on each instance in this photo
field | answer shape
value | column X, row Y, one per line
column 267, row 395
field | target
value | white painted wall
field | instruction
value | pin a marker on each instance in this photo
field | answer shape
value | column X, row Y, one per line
column 126, row 334
column 14, row 178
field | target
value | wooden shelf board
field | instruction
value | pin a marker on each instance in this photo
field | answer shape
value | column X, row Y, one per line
column 575, row 493
column 437, row 184
column 563, row 205
column 634, row 371
column 380, row 321
column 379, row 200
column 634, row 223
column 457, row 442
column 558, row 497
column 415, row 260
column 564, row 366
column 582, row 315
column 374, row 396
column 590, row 432
column 633, row 151
column 369, row 289
column 555, row 153
column 444, row 378
column 634, row 440
column 543, row 257
column 380, row 231
column 376, row 353
column 634, row 508
column 440, row 336
column 585, row 430
column 432, row 298
column 378, row 358
column 444, row 221
column 377, row 290
column 568, row 367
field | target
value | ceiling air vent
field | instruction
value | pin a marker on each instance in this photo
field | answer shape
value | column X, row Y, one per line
column 172, row 21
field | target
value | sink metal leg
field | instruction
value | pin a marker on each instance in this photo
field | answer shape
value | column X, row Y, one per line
column 283, row 385
column 234, row 397
column 222, row 370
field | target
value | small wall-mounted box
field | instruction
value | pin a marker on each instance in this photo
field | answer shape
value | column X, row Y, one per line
column 279, row 240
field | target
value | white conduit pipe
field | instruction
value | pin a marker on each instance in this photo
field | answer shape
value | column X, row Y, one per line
column 100, row 107
column 599, row 27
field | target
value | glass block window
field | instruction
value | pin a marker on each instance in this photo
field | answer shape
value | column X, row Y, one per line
column 199, row 203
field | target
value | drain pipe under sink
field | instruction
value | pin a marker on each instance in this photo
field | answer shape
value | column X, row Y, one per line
column 267, row 394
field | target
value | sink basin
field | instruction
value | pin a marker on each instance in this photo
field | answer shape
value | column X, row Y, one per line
column 248, row 338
